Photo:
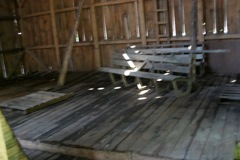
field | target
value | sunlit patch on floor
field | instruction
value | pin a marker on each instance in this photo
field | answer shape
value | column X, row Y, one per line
column 116, row 88
column 101, row 88
column 158, row 97
column 142, row 98
column 144, row 92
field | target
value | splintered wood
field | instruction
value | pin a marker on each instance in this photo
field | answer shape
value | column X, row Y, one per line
column 230, row 93
column 34, row 101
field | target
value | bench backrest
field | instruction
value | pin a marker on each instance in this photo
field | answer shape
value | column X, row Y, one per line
column 167, row 51
column 172, row 63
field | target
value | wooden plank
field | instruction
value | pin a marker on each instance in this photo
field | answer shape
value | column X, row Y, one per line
column 171, row 140
column 109, row 124
column 112, row 3
column 35, row 101
column 175, row 59
column 200, row 21
column 139, row 74
column 95, row 35
column 185, row 140
column 200, row 138
column 228, row 142
column 157, row 66
column 36, row 14
column 210, row 150
column 141, row 131
column 194, row 33
column 85, row 122
column 55, row 34
column 65, row 116
column 112, row 140
column 78, row 152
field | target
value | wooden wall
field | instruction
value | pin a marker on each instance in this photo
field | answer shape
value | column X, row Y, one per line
column 9, row 38
column 119, row 24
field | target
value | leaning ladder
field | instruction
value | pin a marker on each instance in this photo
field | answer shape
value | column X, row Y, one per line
column 162, row 20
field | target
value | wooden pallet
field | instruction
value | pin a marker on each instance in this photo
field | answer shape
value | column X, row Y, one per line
column 230, row 93
column 35, row 101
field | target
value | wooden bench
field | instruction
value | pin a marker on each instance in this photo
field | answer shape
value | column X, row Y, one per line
column 167, row 49
column 174, row 68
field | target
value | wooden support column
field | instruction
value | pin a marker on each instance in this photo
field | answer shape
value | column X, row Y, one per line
column 55, row 35
column 194, row 33
column 69, row 49
column 200, row 21
column 142, row 22
column 95, row 35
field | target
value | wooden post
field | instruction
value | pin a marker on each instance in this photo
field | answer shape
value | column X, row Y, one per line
column 194, row 32
column 142, row 22
column 55, row 35
column 200, row 21
column 95, row 35
column 69, row 49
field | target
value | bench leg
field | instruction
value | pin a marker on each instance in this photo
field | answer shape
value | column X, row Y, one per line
column 124, row 80
column 139, row 83
column 156, row 85
column 182, row 93
column 112, row 78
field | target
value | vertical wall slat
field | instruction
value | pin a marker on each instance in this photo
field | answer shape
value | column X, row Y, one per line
column 200, row 21
column 55, row 34
column 142, row 22
column 95, row 35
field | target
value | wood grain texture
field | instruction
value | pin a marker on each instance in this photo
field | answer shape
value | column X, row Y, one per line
column 105, row 120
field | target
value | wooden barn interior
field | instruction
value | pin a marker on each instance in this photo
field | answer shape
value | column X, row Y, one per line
column 62, row 96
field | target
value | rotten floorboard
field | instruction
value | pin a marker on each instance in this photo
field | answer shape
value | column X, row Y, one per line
column 112, row 120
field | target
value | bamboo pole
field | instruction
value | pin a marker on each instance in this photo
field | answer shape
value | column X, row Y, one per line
column 55, row 35
column 95, row 35
column 69, row 49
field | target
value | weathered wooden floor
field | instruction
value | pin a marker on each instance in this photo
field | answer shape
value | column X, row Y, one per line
column 106, row 121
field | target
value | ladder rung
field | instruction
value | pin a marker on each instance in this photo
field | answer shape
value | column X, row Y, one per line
column 162, row 10
column 161, row 22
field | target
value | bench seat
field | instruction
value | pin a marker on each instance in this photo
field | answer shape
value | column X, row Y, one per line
column 140, row 74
